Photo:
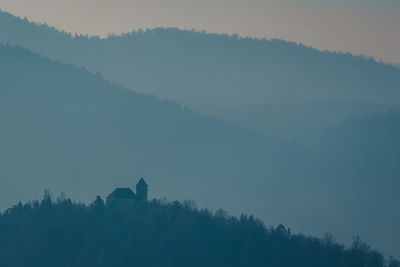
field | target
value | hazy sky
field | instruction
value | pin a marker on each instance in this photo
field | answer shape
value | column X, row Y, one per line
column 369, row 27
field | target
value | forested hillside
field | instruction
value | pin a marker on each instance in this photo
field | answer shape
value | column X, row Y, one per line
column 63, row 233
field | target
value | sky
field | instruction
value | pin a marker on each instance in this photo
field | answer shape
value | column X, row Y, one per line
column 368, row 27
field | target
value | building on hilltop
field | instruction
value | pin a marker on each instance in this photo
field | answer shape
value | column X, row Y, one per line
column 141, row 191
column 125, row 197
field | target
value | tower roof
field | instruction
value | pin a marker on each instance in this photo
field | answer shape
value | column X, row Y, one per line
column 141, row 183
column 122, row 193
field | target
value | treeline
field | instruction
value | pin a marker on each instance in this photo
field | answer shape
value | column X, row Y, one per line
column 64, row 233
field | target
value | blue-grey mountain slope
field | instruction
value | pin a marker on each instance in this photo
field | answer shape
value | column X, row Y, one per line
column 66, row 129
column 257, row 84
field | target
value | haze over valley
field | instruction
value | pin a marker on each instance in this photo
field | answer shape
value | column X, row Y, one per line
column 291, row 134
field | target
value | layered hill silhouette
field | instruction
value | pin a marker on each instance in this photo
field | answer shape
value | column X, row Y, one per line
column 67, row 129
column 333, row 116
column 249, row 82
column 64, row 233
column 64, row 128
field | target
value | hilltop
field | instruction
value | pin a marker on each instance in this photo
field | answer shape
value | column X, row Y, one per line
column 63, row 233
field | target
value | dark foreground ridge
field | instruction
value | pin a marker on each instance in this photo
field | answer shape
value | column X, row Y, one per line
column 157, row 233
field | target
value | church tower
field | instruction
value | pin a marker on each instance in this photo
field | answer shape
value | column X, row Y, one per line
column 141, row 191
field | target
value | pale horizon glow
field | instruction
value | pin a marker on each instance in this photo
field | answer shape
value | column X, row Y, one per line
column 361, row 27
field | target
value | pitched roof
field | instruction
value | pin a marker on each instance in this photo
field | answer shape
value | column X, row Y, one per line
column 122, row 193
column 141, row 183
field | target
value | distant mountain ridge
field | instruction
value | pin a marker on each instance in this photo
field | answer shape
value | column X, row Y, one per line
column 245, row 81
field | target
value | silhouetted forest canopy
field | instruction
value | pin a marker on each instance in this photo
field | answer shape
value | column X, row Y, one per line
column 160, row 233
